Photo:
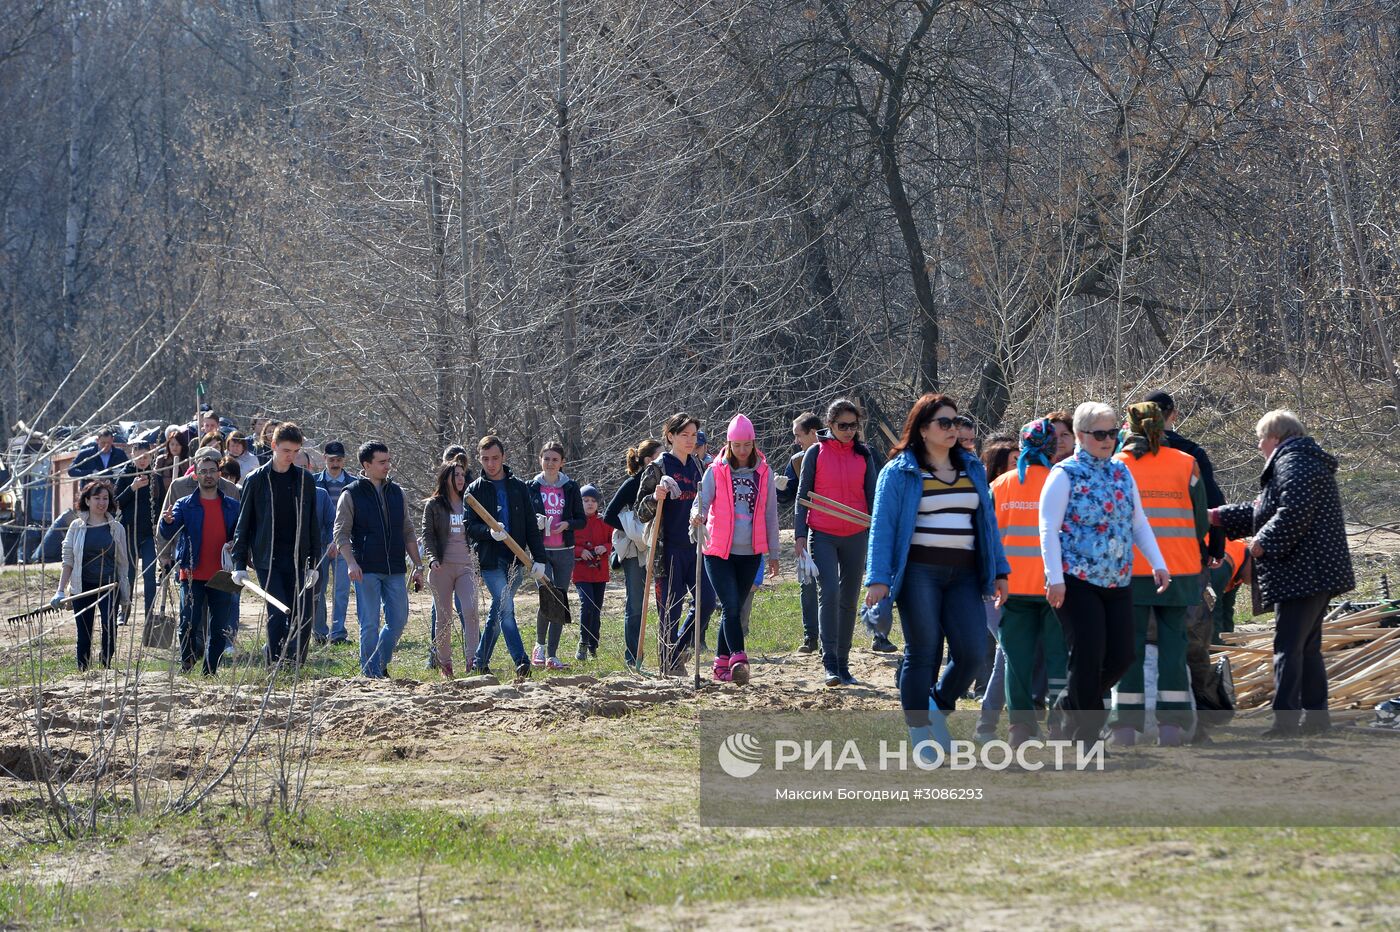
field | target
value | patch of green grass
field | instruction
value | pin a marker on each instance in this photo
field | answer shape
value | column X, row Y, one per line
column 231, row 870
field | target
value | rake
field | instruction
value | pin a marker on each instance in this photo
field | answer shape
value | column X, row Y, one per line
column 58, row 607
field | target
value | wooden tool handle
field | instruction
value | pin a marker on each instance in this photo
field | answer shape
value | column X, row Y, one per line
column 495, row 525
column 833, row 503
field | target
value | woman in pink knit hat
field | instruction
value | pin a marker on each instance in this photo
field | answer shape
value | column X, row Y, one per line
column 736, row 516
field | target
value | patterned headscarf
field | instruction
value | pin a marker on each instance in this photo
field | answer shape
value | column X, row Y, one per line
column 1038, row 442
column 1146, row 424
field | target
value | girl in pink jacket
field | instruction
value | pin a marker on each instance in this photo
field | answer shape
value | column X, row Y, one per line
column 736, row 516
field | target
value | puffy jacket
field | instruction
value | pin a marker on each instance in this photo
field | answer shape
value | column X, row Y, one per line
column 897, row 495
column 807, row 478
column 595, row 533
column 1297, row 520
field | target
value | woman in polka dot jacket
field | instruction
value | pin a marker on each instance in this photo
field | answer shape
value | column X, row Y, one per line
column 1301, row 560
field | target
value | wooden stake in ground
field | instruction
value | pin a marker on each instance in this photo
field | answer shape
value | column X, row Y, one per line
column 699, row 612
column 651, row 578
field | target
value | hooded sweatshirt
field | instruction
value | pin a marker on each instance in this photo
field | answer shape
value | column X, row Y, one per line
column 562, row 501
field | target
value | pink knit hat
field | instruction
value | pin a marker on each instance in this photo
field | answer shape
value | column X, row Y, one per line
column 741, row 428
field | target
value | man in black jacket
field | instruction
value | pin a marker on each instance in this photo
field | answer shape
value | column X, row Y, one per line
column 139, row 495
column 804, row 434
column 98, row 459
column 510, row 503
column 278, row 535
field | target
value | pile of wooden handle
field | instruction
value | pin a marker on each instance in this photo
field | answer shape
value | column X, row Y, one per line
column 1361, row 656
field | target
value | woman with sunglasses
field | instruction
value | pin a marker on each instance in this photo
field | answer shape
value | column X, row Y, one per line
column 838, row 467
column 935, row 548
column 1090, row 518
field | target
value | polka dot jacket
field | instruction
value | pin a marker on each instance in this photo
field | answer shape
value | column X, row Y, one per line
column 1297, row 519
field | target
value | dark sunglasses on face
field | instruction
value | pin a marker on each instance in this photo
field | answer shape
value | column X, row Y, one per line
column 1102, row 435
column 846, row 425
column 947, row 423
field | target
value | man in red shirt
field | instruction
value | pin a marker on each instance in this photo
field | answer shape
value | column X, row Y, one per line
column 204, row 521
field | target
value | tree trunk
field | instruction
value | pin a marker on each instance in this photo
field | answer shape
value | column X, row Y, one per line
column 573, row 403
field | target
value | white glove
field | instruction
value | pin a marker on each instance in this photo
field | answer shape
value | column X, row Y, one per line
column 600, row 550
column 699, row 535
column 57, row 597
column 226, row 557
column 542, row 521
column 781, row 482
column 311, row 577
column 498, row 534
column 672, row 487
column 240, row 577
column 538, row 571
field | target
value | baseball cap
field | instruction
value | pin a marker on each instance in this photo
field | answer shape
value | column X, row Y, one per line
column 1162, row 400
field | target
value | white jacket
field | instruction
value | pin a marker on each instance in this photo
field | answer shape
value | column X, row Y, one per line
column 73, row 554
column 632, row 540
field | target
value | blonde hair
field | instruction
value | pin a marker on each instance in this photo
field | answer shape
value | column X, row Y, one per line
column 1281, row 424
column 1091, row 411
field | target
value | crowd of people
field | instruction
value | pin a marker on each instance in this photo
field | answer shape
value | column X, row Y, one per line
column 1031, row 570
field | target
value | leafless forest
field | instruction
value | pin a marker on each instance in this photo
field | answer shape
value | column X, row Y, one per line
column 423, row 219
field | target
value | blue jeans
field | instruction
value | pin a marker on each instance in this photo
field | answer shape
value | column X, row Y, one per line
column 502, row 584
column 340, row 605
column 634, row 577
column 376, row 590
column 938, row 602
column 733, row 581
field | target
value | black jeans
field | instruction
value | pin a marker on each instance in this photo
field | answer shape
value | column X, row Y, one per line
column 83, row 609
column 288, row 636
column 733, row 581
column 1300, row 677
column 1098, row 626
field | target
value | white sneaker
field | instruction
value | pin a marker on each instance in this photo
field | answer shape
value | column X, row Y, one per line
column 537, row 658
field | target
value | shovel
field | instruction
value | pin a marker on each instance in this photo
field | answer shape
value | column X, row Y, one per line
column 223, row 581
column 553, row 607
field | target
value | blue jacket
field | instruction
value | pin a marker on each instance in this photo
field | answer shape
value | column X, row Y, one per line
column 897, row 495
column 189, row 517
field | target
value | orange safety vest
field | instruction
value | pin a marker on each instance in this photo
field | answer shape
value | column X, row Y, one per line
column 1164, row 484
column 1236, row 552
column 1018, row 519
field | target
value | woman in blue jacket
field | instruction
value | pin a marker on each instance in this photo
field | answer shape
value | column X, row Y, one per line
column 934, row 548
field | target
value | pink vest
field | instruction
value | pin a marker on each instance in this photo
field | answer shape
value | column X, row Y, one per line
column 720, row 523
column 840, row 476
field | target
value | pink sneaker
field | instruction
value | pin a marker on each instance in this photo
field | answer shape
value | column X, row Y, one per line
column 537, row 658
column 553, row 663
column 739, row 667
column 722, row 668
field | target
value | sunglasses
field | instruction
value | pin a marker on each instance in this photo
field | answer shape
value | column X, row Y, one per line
column 947, row 423
column 846, row 425
column 1102, row 435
